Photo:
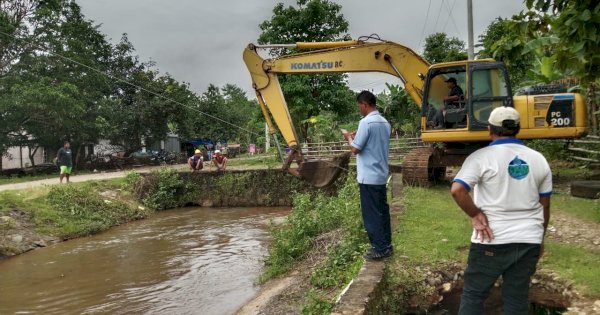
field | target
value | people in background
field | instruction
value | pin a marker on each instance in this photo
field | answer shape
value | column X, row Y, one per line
column 219, row 160
column 196, row 162
column 209, row 150
column 64, row 159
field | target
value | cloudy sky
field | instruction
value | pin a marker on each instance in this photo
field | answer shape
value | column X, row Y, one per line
column 201, row 41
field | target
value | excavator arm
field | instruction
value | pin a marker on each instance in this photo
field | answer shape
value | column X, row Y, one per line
column 326, row 57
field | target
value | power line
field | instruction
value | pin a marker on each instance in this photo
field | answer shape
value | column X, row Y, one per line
column 452, row 18
column 438, row 17
column 47, row 50
column 424, row 25
column 450, row 15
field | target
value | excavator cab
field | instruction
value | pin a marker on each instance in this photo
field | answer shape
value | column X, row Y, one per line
column 484, row 86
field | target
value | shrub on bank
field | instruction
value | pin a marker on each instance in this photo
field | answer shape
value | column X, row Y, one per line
column 79, row 210
column 321, row 224
column 168, row 188
column 163, row 189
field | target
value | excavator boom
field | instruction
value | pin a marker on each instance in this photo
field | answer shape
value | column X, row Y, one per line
column 463, row 126
column 331, row 57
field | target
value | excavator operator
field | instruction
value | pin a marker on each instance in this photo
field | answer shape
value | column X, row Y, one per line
column 451, row 101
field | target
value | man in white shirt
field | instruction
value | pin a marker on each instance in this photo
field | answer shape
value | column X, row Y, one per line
column 510, row 210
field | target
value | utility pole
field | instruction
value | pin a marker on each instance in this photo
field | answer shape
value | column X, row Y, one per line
column 267, row 138
column 470, row 49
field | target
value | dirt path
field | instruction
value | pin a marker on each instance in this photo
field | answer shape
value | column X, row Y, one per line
column 111, row 175
column 76, row 178
column 570, row 230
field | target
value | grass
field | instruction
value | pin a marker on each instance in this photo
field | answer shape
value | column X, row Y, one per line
column 78, row 209
column 431, row 231
column 581, row 208
column 264, row 160
column 437, row 231
column 28, row 178
column 318, row 219
column 575, row 263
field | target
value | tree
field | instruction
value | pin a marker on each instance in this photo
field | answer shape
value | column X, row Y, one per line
column 441, row 48
column 518, row 63
column 565, row 32
column 400, row 110
column 308, row 95
column 52, row 98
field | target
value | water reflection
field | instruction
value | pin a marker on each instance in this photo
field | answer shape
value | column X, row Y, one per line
column 188, row 261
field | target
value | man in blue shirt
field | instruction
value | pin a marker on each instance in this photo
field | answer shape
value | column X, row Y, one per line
column 371, row 145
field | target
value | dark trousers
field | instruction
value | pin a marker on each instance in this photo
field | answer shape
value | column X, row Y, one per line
column 376, row 216
column 515, row 262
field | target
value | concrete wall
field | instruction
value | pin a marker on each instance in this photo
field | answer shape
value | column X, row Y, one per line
column 236, row 188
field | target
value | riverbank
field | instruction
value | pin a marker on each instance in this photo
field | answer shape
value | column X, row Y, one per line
column 431, row 240
column 43, row 215
column 37, row 217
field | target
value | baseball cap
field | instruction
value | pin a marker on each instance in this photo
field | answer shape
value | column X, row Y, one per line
column 197, row 151
column 217, row 151
column 502, row 113
column 453, row 80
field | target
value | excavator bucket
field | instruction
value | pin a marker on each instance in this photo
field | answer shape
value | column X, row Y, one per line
column 322, row 173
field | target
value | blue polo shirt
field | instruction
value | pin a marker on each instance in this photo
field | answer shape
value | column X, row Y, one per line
column 373, row 141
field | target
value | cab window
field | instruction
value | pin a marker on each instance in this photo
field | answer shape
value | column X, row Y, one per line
column 489, row 91
column 438, row 88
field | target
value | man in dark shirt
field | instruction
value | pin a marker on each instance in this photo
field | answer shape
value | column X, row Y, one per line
column 450, row 102
column 64, row 159
column 455, row 93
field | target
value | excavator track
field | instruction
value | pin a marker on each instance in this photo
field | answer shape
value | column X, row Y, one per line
column 421, row 167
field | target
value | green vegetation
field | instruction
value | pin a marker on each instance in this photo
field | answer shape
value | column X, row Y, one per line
column 164, row 189
column 268, row 160
column 23, row 179
column 320, row 223
column 74, row 210
column 435, row 233
column 585, row 209
column 574, row 263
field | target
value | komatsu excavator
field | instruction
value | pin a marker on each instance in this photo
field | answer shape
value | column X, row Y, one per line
column 485, row 84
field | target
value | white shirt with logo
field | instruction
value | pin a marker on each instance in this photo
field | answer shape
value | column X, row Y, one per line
column 508, row 180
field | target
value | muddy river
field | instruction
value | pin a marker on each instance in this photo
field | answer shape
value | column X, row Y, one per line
column 187, row 261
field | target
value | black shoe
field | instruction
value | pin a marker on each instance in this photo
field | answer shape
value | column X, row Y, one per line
column 371, row 254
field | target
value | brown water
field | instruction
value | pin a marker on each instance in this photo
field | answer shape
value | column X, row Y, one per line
column 188, row 261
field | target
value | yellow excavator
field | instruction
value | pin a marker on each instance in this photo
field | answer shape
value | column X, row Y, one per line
column 486, row 85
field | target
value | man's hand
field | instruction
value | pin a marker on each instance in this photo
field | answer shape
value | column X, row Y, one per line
column 349, row 136
column 482, row 228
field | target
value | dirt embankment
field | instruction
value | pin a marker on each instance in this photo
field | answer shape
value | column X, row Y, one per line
column 18, row 235
column 286, row 294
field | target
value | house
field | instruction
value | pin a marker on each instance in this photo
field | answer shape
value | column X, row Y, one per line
column 18, row 157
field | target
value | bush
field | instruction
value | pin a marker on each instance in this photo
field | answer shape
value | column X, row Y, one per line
column 320, row 223
column 551, row 149
column 311, row 217
column 163, row 189
column 132, row 179
column 78, row 210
